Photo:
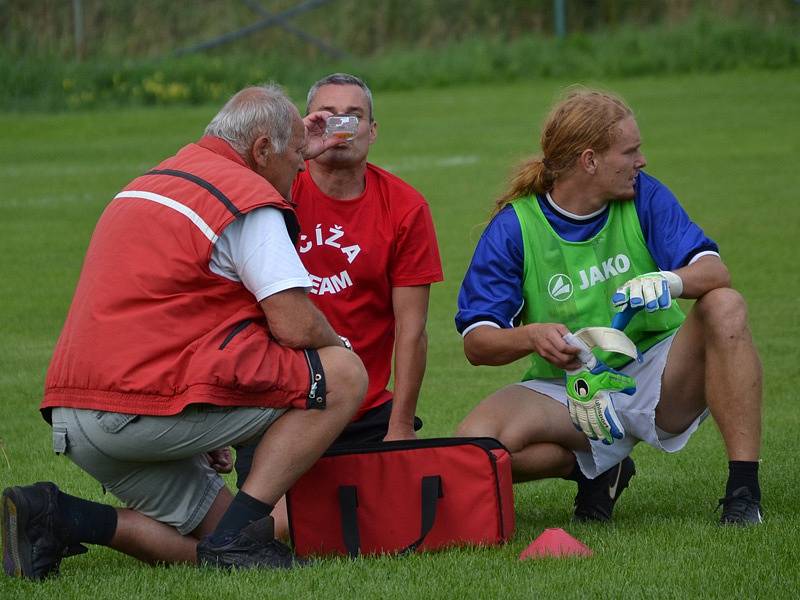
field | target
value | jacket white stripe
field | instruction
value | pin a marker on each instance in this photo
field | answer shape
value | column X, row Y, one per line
column 174, row 205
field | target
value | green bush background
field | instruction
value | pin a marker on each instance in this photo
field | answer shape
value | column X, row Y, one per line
column 129, row 53
column 155, row 28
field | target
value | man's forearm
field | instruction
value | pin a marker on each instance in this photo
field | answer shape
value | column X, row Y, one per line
column 317, row 334
column 296, row 323
column 409, row 366
column 702, row 276
column 488, row 345
column 410, row 354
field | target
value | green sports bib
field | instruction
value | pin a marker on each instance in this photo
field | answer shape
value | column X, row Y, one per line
column 572, row 282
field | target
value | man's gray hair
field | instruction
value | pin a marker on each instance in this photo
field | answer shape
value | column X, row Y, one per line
column 253, row 112
column 340, row 79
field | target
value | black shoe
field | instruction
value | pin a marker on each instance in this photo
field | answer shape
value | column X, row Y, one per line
column 740, row 508
column 33, row 538
column 253, row 547
column 596, row 497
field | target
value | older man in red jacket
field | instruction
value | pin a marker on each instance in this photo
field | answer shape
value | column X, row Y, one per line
column 179, row 344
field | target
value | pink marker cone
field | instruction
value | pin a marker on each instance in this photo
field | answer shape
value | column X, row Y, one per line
column 555, row 542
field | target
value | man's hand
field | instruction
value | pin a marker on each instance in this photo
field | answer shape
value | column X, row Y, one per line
column 651, row 291
column 589, row 401
column 548, row 342
column 316, row 143
column 221, row 460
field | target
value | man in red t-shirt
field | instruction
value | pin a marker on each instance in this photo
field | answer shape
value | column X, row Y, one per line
column 368, row 242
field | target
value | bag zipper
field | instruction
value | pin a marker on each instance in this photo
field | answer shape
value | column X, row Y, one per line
column 486, row 443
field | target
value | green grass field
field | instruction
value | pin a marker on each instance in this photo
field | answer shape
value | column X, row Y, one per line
column 727, row 145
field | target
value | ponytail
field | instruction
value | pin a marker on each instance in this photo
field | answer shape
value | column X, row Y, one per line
column 532, row 177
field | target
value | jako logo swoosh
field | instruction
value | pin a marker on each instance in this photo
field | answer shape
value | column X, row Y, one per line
column 560, row 287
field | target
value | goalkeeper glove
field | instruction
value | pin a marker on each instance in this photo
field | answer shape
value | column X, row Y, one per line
column 589, row 401
column 651, row 291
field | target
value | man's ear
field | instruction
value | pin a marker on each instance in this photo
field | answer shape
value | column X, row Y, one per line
column 373, row 132
column 260, row 151
column 588, row 161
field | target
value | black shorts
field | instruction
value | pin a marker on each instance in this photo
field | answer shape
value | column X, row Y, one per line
column 370, row 429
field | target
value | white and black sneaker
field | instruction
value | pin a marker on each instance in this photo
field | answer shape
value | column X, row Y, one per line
column 596, row 497
column 740, row 508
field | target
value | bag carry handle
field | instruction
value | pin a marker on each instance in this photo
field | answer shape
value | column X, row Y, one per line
column 348, row 503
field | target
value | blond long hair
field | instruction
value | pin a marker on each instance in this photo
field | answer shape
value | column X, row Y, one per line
column 584, row 118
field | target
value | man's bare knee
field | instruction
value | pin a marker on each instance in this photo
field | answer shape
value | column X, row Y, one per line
column 473, row 426
column 723, row 312
column 345, row 377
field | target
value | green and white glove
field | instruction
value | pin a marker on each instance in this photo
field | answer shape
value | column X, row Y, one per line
column 651, row 291
column 590, row 405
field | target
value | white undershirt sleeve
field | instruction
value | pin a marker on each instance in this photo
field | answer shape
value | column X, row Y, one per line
column 256, row 250
column 700, row 255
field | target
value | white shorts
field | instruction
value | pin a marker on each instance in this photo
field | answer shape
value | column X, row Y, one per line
column 637, row 413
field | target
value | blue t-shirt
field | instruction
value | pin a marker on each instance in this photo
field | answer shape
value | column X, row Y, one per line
column 492, row 288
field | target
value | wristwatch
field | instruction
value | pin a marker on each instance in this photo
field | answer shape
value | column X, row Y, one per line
column 346, row 343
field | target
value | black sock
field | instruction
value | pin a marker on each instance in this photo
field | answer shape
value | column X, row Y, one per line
column 243, row 510
column 85, row 521
column 742, row 473
column 576, row 474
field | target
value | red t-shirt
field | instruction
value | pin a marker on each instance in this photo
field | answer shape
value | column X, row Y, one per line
column 357, row 251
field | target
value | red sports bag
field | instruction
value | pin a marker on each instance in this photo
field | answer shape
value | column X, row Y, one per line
column 403, row 496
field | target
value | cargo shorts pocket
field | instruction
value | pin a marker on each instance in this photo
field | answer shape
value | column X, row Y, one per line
column 59, row 440
column 113, row 422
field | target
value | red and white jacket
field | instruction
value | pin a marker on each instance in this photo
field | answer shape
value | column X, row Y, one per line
column 151, row 329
